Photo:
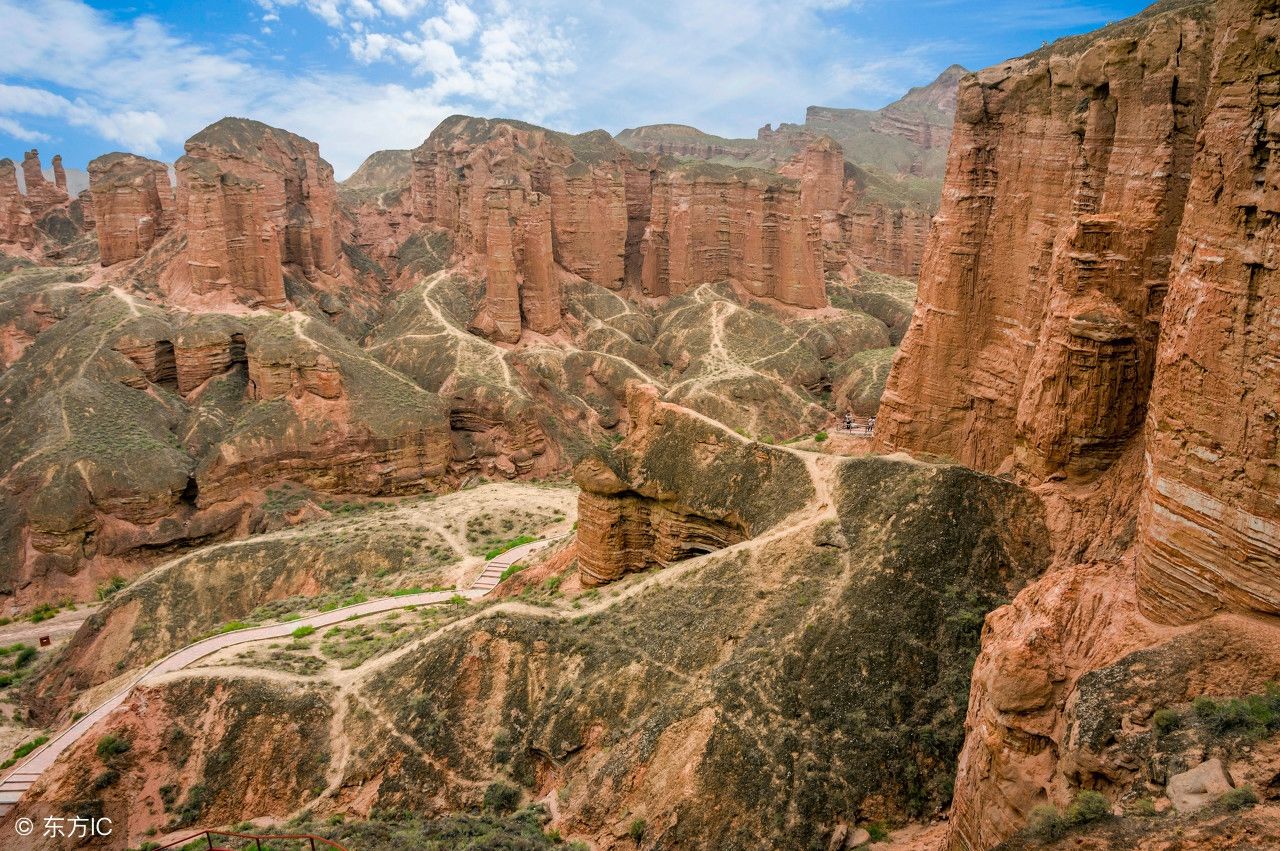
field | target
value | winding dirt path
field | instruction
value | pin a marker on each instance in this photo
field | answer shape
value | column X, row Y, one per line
column 22, row 778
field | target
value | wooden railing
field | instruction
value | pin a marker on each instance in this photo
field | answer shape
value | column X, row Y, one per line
column 316, row 842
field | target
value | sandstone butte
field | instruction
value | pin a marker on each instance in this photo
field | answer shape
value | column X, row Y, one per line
column 522, row 201
column 1096, row 319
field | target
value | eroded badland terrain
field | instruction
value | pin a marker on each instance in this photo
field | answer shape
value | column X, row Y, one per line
column 274, row 449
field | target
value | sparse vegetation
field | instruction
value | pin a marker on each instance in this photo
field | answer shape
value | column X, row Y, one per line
column 636, row 830
column 1239, row 799
column 303, row 631
column 511, row 571
column 501, row 548
column 501, row 798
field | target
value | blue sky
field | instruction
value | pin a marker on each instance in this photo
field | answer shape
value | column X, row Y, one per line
column 82, row 79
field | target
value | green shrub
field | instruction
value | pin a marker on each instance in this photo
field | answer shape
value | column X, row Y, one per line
column 24, row 657
column 1047, row 823
column 819, row 437
column 878, row 830
column 232, row 626
column 458, row 600
column 1143, row 808
column 1088, row 806
column 22, row 750
column 303, row 631
column 637, row 830
column 110, row 746
column 510, row 572
column 501, row 798
column 1165, row 721
column 1239, row 799
column 42, row 612
column 112, row 586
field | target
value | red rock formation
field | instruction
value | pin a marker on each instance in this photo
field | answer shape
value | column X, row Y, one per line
column 1210, row 530
column 41, row 194
column 59, row 175
column 646, row 505
column 87, row 213
column 252, row 200
column 133, row 204
column 1085, row 182
column 615, row 219
column 885, row 238
column 1044, row 277
column 16, row 226
column 522, row 287
column 710, row 223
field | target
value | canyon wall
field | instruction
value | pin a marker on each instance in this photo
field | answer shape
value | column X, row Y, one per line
column 616, row 218
column 1096, row 319
column 133, row 205
column 1210, row 520
column 253, row 199
column 40, row 219
column 1033, row 341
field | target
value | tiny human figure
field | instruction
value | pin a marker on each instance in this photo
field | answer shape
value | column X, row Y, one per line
column 871, row 424
column 848, row 422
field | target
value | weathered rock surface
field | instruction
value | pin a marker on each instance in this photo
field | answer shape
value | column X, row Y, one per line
column 16, row 226
column 1040, row 296
column 616, row 219
column 133, row 205
column 1091, row 322
column 645, row 504
column 253, row 199
column 1210, row 533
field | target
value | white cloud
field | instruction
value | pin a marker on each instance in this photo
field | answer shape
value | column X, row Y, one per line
column 13, row 128
column 724, row 65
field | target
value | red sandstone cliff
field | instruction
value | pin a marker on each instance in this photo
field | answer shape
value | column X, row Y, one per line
column 133, row 205
column 252, row 200
column 16, row 226
column 1095, row 295
column 616, row 218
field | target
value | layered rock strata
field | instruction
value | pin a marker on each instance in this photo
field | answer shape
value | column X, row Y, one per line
column 16, row 226
column 1044, row 279
column 646, row 505
column 1210, row 522
column 133, row 205
column 1093, row 320
column 616, row 218
column 254, row 199
column 41, row 194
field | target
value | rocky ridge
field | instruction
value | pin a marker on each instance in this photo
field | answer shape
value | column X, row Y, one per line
column 1089, row 323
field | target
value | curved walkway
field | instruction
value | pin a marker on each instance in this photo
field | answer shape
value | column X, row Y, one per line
column 24, row 776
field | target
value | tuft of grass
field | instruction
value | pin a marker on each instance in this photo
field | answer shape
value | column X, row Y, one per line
column 819, row 437
column 499, row 549
column 510, row 572
column 303, row 631
column 1239, row 799
column 637, row 829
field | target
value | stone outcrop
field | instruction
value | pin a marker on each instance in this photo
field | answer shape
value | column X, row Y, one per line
column 133, row 205
column 1036, row 347
column 253, row 200
column 646, row 505
column 1093, row 321
column 41, row 194
column 1210, row 527
column 1045, row 276
column 711, row 223
column 616, row 218
column 16, row 226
